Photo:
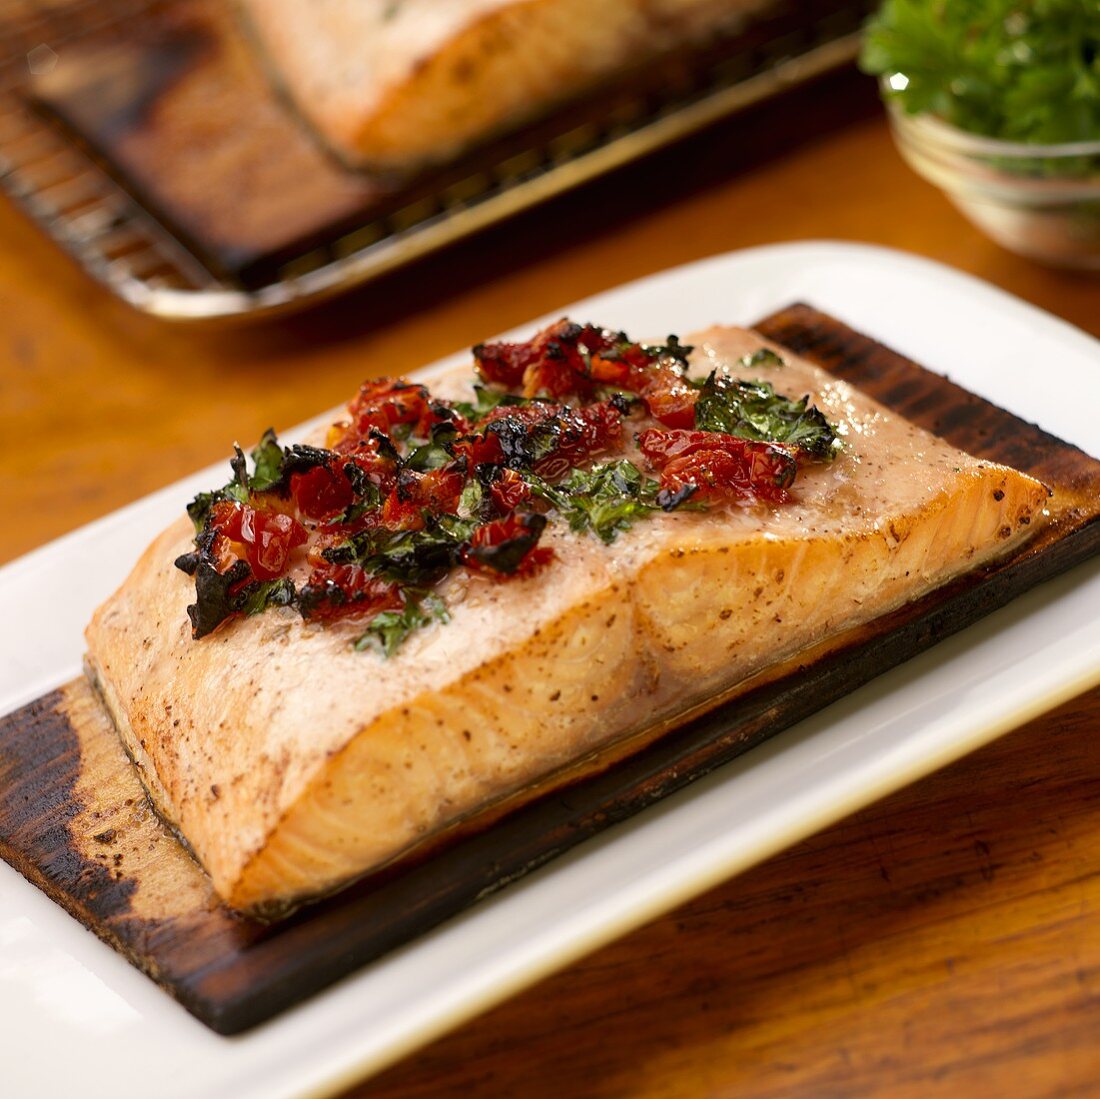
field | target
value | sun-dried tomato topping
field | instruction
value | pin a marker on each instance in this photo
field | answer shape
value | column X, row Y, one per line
column 383, row 403
column 569, row 360
column 322, row 492
column 437, row 491
column 548, row 438
column 718, row 466
column 669, row 398
column 266, row 537
column 410, row 487
column 508, row 490
column 343, row 591
column 507, row 364
column 508, row 547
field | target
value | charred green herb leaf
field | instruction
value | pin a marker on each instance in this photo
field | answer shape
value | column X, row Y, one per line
column 214, row 602
column 410, row 557
column 368, row 493
column 389, row 630
column 199, row 508
column 269, row 473
column 436, row 452
column 219, row 596
column 753, row 410
column 257, row 597
column 671, row 349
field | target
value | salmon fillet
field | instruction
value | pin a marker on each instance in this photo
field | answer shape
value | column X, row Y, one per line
column 291, row 763
column 396, row 83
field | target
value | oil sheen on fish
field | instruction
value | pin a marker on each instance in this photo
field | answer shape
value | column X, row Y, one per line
column 292, row 763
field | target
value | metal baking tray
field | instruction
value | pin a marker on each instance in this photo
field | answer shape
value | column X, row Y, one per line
column 120, row 239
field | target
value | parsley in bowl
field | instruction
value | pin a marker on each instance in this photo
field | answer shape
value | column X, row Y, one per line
column 997, row 102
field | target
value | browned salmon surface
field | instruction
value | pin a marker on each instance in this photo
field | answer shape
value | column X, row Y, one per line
column 292, row 763
column 394, row 83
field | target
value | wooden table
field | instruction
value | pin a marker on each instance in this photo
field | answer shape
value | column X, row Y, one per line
column 945, row 941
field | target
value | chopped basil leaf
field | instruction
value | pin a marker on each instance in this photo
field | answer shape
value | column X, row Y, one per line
column 525, row 444
column 216, row 600
column 469, row 503
column 753, row 410
column 673, row 349
column 762, row 356
column 267, row 461
column 239, row 465
column 427, row 457
column 606, row 499
column 389, row 630
column 410, row 557
column 485, row 400
column 369, row 494
column 300, row 458
column 263, row 594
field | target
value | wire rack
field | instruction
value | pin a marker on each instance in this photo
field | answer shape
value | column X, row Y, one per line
column 123, row 247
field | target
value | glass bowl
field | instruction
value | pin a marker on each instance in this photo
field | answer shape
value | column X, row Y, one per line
column 1041, row 201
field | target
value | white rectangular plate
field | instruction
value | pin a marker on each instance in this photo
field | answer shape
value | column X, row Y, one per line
column 121, row 1037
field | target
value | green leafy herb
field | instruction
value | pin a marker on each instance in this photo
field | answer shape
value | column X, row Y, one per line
column 753, row 410
column 762, row 356
column 199, row 508
column 606, row 499
column 267, row 462
column 369, row 494
column 219, row 596
column 271, row 466
column 1027, row 72
column 488, row 398
column 301, row 458
column 410, row 557
column 257, row 597
column 435, row 452
column 388, row 631
column 523, row 445
column 672, row 349
column 469, row 503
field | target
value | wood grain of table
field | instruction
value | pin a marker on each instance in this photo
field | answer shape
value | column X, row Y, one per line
column 945, row 941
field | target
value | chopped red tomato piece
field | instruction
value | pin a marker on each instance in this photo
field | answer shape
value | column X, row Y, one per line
column 548, row 438
column 322, row 492
column 341, row 591
column 385, row 402
column 267, row 537
column 508, row 547
column 719, row 466
column 509, row 490
column 669, row 398
column 437, row 491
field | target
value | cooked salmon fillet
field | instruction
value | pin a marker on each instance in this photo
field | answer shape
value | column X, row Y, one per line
column 395, row 83
column 291, row 763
